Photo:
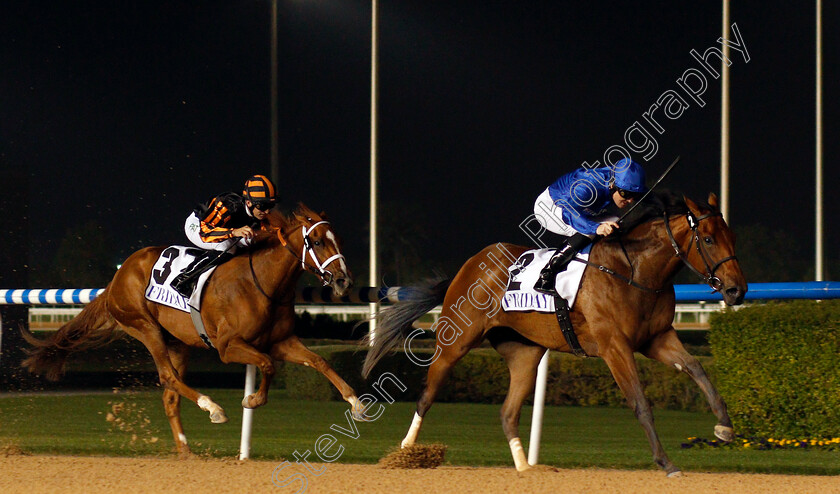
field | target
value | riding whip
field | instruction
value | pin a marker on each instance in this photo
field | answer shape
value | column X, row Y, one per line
column 665, row 174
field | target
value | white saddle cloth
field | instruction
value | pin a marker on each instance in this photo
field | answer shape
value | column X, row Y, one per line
column 520, row 294
column 172, row 261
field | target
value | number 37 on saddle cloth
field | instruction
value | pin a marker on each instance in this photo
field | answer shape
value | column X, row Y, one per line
column 171, row 262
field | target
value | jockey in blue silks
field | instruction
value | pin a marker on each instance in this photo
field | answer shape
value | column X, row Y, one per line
column 576, row 206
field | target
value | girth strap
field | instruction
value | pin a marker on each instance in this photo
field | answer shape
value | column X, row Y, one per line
column 561, row 310
column 199, row 327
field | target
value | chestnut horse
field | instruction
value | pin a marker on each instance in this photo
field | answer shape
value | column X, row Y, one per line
column 247, row 310
column 612, row 317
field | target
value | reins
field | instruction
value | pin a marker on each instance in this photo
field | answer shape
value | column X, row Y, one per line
column 321, row 272
column 620, row 276
column 254, row 274
column 693, row 222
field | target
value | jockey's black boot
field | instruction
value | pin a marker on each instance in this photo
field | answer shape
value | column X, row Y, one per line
column 185, row 282
column 558, row 262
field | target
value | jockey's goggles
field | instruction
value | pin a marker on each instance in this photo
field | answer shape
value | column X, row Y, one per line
column 626, row 194
column 263, row 206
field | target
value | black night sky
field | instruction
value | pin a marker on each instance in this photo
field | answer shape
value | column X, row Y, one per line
column 128, row 113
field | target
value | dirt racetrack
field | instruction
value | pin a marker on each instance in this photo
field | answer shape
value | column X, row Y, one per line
column 93, row 475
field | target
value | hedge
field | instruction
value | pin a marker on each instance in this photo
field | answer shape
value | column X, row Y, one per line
column 482, row 377
column 779, row 367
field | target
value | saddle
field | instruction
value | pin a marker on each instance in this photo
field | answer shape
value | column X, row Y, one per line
column 520, row 295
column 172, row 262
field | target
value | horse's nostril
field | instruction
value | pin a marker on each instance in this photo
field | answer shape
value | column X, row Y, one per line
column 735, row 295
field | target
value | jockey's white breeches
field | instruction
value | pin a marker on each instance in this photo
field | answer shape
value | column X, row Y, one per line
column 192, row 227
column 550, row 215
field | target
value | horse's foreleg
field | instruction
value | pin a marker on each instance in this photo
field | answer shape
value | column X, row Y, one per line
column 668, row 349
column 623, row 367
column 292, row 350
column 522, row 361
column 237, row 350
column 178, row 354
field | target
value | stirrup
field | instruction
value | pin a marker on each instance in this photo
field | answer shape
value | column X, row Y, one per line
column 546, row 286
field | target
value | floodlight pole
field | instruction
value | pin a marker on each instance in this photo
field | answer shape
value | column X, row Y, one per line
column 275, row 126
column 724, row 118
column 374, row 177
column 819, row 269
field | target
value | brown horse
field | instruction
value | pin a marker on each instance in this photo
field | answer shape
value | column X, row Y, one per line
column 612, row 318
column 247, row 310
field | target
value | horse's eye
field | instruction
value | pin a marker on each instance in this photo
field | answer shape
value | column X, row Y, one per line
column 317, row 243
column 708, row 240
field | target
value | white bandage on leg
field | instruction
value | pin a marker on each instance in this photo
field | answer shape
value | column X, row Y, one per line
column 413, row 431
column 518, row 453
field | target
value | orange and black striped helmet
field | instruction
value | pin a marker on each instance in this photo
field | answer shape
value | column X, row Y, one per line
column 259, row 190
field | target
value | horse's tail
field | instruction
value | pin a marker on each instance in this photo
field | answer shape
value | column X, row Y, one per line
column 93, row 327
column 394, row 323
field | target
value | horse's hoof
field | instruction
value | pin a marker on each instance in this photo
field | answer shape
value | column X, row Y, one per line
column 404, row 444
column 252, row 401
column 724, row 433
column 358, row 416
column 523, row 468
column 674, row 474
column 218, row 417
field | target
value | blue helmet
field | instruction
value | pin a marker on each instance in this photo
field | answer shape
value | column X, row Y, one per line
column 630, row 176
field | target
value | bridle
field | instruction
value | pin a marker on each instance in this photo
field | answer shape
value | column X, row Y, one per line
column 317, row 267
column 709, row 276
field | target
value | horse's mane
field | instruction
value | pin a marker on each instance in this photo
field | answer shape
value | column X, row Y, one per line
column 655, row 206
column 285, row 220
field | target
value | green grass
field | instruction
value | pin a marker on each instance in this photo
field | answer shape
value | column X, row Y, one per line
column 572, row 437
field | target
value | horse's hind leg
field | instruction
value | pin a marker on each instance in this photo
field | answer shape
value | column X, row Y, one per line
column 668, row 349
column 619, row 358
column 522, row 360
column 150, row 334
column 448, row 356
column 178, row 354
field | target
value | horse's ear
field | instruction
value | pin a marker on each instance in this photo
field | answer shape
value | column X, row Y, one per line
column 692, row 206
column 323, row 215
column 713, row 201
column 300, row 213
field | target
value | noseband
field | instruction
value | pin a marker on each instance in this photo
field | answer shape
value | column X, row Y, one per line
column 326, row 276
column 317, row 267
column 709, row 276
